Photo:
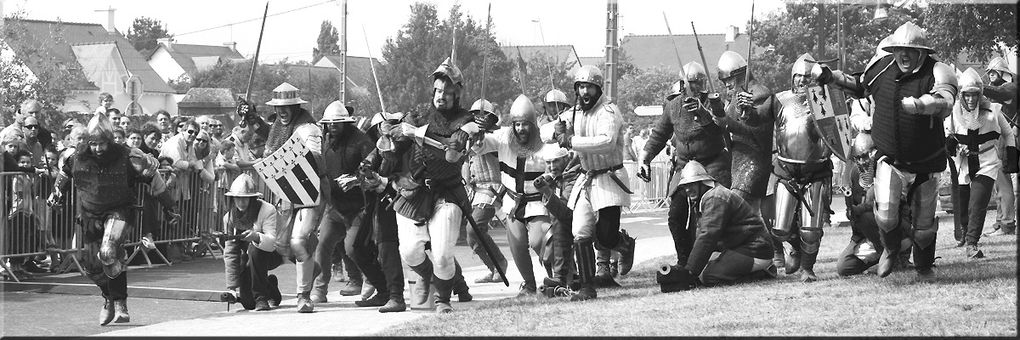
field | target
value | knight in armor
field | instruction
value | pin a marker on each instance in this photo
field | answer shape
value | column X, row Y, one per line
column 553, row 107
column 298, row 222
column 482, row 173
column 978, row 130
column 732, row 245
column 913, row 93
column 432, row 198
column 751, row 111
column 595, row 133
column 804, row 170
column 528, row 223
column 687, row 121
column 1001, row 92
column 105, row 175
column 865, row 245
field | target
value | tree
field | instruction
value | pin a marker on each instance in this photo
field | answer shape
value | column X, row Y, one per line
column 424, row 42
column 144, row 32
column 32, row 72
column 326, row 43
column 977, row 29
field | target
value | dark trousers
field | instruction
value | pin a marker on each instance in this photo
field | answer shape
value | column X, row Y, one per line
column 93, row 229
column 683, row 234
column 976, row 196
column 732, row 266
column 864, row 228
column 247, row 269
column 607, row 228
column 383, row 227
column 483, row 214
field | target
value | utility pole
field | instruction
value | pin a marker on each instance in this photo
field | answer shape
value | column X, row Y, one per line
column 612, row 28
column 343, row 52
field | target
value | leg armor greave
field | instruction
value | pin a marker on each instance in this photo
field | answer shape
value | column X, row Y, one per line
column 111, row 253
column 786, row 207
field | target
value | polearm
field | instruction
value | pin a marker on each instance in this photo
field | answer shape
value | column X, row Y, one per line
column 382, row 107
column 701, row 52
column 747, row 71
column 488, row 23
column 255, row 61
column 676, row 50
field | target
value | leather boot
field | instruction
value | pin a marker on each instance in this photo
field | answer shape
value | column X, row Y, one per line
column 887, row 262
column 460, row 286
column 353, row 287
column 444, row 289
column 626, row 248
column 394, row 305
column 924, row 260
column 585, row 254
column 793, row 257
column 778, row 255
column 420, row 291
column 807, row 267
column 106, row 314
column 121, row 312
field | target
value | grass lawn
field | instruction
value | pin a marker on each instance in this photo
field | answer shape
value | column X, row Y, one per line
column 970, row 297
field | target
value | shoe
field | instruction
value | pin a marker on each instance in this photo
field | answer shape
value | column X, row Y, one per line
column 1009, row 229
column 443, row 308
column 304, row 304
column 584, row 294
column 974, row 252
column 367, row 291
column 626, row 249
column 393, row 305
column 147, row 241
column 338, row 273
column 106, row 314
column 886, row 263
column 602, row 276
column 807, row 276
column 318, row 295
column 262, row 304
column 31, row 267
column 491, row 278
column 352, row 288
column 121, row 312
column 614, row 268
column 926, row 275
column 274, row 291
column 527, row 288
column 375, row 301
column 961, row 243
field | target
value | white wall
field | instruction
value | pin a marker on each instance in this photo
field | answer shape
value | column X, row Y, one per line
column 87, row 101
column 164, row 65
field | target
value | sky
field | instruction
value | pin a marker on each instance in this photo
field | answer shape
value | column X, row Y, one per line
column 292, row 34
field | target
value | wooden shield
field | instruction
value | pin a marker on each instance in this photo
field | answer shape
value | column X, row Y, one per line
column 832, row 118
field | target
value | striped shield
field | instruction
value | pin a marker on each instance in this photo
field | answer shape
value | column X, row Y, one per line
column 291, row 173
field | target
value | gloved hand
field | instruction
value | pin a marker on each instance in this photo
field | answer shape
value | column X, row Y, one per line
column 691, row 104
column 745, row 100
column 645, row 172
column 245, row 108
column 822, row 74
column 952, row 144
column 564, row 140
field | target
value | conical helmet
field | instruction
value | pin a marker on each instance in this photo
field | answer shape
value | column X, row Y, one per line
column 556, row 96
column 450, row 71
column 243, row 186
column 694, row 172
column 99, row 128
column 970, row 81
column 695, row 72
column 589, row 74
column 909, row 35
column 999, row 64
column 677, row 89
column 523, row 110
column 802, row 66
column 336, row 112
column 731, row 64
column 483, row 105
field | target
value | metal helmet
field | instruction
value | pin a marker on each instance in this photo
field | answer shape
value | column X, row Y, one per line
column 863, row 144
column 336, row 112
column 909, row 35
column 243, row 186
column 997, row 64
column 676, row 90
column 556, row 96
column 970, row 81
column 802, row 66
column 450, row 71
column 731, row 64
column 695, row 72
column 551, row 152
column 522, row 110
column 694, row 172
column 589, row 74
column 30, row 105
column 483, row 105
column 99, row 128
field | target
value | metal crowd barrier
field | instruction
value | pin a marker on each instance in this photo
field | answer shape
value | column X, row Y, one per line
column 648, row 195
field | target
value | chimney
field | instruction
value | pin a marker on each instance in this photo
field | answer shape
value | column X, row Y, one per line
column 232, row 45
column 166, row 42
column 110, row 27
column 731, row 33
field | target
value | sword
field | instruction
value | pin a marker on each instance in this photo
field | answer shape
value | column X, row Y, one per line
column 255, row 60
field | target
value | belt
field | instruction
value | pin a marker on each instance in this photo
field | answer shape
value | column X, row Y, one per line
column 798, row 161
column 521, row 201
column 612, row 174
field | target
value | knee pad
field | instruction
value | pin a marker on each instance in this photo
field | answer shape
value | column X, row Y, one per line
column 811, row 239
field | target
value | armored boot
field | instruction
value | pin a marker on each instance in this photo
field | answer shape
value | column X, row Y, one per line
column 460, row 286
column 924, row 260
column 444, row 289
column 793, row 257
column 106, row 314
column 807, row 267
column 891, row 240
column 121, row 312
column 420, row 291
column 585, row 253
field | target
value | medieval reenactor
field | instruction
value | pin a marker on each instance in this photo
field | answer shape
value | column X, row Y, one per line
column 481, row 172
column 296, row 234
column 249, row 252
column 105, row 175
column 561, row 171
column 596, row 134
column 980, row 131
column 912, row 93
column 432, row 199
column 1001, row 91
column 686, row 122
column 804, row 170
column 865, row 245
column 751, row 111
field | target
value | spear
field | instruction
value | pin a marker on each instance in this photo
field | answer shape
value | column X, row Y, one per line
column 488, row 22
column 676, row 50
column 382, row 107
column 255, row 61
column 747, row 71
column 702, row 53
